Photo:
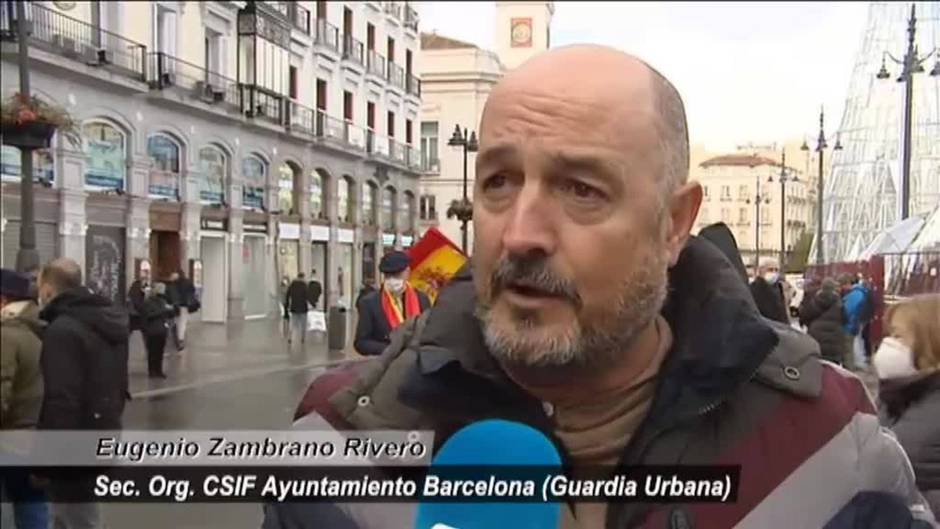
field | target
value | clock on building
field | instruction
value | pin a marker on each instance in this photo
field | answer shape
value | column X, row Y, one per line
column 521, row 32
column 65, row 6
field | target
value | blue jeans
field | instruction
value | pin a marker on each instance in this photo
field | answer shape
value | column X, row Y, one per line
column 30, row 506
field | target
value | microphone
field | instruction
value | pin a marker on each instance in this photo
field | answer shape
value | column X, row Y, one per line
column 491, row 443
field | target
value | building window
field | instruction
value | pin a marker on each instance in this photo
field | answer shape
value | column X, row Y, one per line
column 164, row 154
column 391, row 125
column 742, row 216
column 343, row 209
column 321, row 94
column 212, row 170
column 164, row 37
column 292, row 82
column 316, row 195
column 388, row 209
column 406, row 212
column 408, row 131
column 725, row 193
column 368, row 204
column 106, row 153
column 11, row 169
column 726, row 215
column 348, row 106
column 428, row 207
column 254, row 173
column 370, row 115
column 214, row 56
column 705, row 192
column 743, row 192
column 285, row 189
column 429, row 159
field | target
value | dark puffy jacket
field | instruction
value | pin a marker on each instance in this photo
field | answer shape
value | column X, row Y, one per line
column 735, row 389
column 911, row 408
column 158, row 311
column 296, row 301
column 769, row 299
column 84, row 362
column 822, row 314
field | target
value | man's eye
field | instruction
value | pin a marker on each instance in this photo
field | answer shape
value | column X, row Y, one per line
column 494, row 182
column 582, row 190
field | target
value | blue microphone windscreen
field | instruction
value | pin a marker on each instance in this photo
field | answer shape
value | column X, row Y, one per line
column 493, row 443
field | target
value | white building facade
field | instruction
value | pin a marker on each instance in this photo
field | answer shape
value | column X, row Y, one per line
column 256, row 139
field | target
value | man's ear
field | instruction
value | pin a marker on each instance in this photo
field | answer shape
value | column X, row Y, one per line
column 683, row 209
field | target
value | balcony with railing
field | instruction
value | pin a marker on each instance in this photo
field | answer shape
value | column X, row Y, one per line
column 352, row 50
column 396, row 75
column 168, row 72
column 299, row 17
column 393, row 10
column 164, row 185
column 375, row 64
column 72, row 38
column 414, row 157
column 327, row 35
column 411, row 18
column 264, row 104
column 413, row 85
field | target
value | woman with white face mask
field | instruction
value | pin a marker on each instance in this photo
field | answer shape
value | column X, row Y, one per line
column 908, row 366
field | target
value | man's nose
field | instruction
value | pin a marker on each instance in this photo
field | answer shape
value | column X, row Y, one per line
column 530, row 227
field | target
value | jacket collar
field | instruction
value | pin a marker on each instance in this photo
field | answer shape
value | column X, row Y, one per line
column 721, row 341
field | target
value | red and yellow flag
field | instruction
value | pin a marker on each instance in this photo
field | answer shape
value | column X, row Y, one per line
column 434, row 261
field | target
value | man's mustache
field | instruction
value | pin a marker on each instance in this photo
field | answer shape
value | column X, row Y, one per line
column 535, row 273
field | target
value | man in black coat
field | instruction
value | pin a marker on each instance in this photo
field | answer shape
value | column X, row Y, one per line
column 296, row 303
column 767, row 292
column 821, row 313
column 314, row 290
column 382, row 311
column 84, row 367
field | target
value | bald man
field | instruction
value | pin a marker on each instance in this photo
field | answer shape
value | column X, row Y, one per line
column 590, row 313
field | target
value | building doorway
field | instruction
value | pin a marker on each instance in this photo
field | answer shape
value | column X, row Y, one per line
column 165, row 251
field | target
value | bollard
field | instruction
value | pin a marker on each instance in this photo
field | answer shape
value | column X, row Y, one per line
column 337, row 328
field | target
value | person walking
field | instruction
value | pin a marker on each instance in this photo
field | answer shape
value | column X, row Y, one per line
column 173, row 297
column 384, row 310
column 84, row 369
column 907, row 364
column 157, row 315
column 189, row 304
column 20, row 393
column 297, row 304
column 314, row 290
column 136, row 294
column 856, row 306
column 821, row 314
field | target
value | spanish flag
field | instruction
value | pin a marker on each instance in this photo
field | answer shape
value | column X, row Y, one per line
column 434, row 261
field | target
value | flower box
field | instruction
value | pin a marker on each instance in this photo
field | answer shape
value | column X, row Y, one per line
column 29, row 135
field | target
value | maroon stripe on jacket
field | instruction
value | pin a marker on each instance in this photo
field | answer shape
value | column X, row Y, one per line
column 318, row 394
column 785, row 439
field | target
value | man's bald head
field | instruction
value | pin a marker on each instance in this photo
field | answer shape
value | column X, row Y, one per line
column 613, row 77
column 60, row 275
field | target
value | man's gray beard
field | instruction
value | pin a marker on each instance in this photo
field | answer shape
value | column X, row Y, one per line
column 581, row 344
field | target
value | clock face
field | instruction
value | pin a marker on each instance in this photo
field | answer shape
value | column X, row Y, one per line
column 521, row 32
column 64, row 6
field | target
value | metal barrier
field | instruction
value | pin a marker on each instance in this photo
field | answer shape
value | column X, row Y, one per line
column 375, row 64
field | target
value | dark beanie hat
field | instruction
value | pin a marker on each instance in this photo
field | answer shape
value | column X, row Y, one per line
column 394, row 262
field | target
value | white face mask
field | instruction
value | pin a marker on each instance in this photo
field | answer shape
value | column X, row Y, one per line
column 894, row 359
column 395, row 284
column 770, row 277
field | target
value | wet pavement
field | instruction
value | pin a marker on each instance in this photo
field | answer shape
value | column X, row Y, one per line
column 240, row 376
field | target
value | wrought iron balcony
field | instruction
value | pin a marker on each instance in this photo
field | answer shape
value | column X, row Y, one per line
column 168, row 72
column 396, row 75
column 299, row 17
column 393, row 9
column 375, row 64
column 261, row 103
column 413, row 85
column 352, row 49
column 327, row 35
column 414, row 157
column 72, row 38
column 411, row 18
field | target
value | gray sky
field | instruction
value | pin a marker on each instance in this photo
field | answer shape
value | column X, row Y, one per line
column 748, row 71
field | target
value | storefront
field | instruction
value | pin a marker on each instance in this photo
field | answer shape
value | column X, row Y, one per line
column 346, row 239
column 254, row 272
column 407, row 241
column 288, row 251
column 388, row 242
column 214, row 258
column 319, row 237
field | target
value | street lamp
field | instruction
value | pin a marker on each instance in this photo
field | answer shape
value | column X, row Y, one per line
column 463, row 209
column 27, row 258
column 783, row 178
column 821, row 147
column 910, row 65
column 758, row 198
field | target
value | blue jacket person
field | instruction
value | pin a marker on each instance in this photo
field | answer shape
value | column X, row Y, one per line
column 382, row 311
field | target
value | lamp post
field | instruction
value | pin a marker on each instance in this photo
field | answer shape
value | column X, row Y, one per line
column 463, row 209
column 821, row 147
column 910, row 65
column 758, row 198
column 783, row 178
column 27, row 258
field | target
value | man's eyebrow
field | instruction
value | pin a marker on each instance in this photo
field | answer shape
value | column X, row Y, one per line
column 501, row 152
column 593, row 162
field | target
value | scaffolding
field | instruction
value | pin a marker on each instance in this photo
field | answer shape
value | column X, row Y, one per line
column 863, row 188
